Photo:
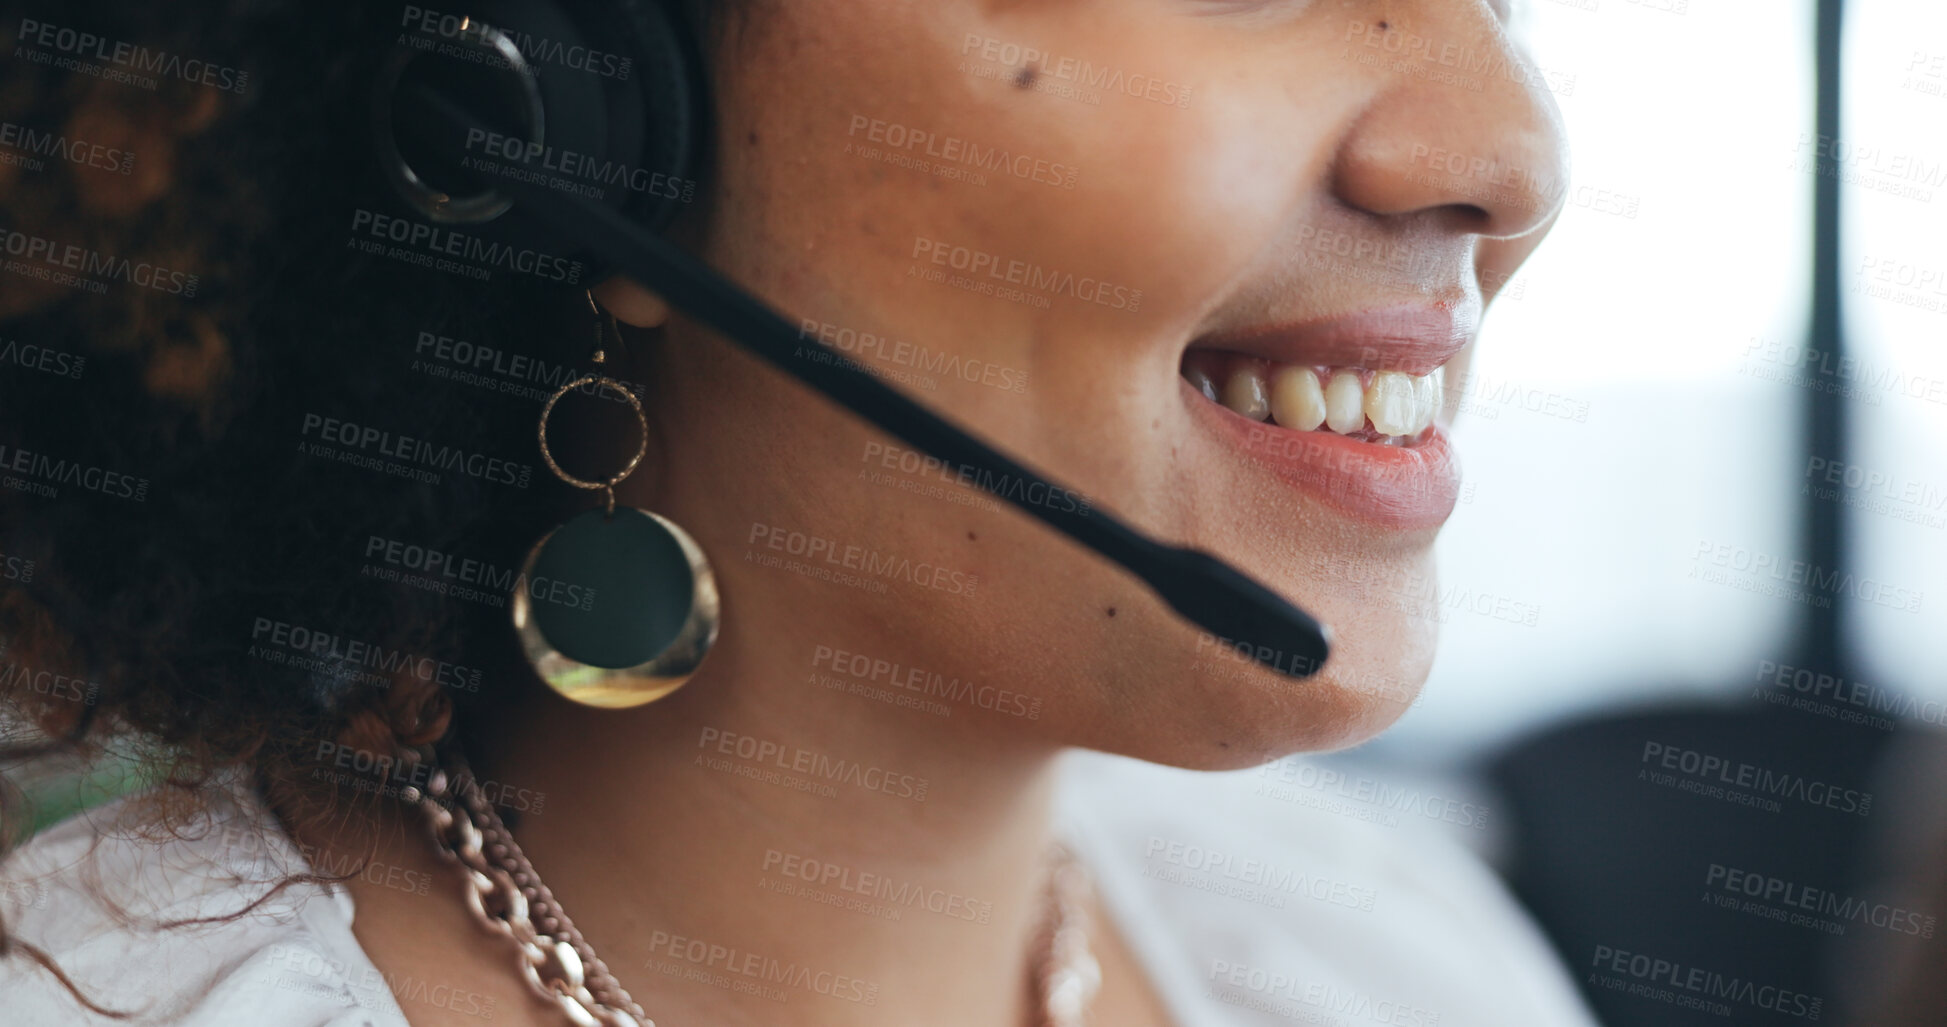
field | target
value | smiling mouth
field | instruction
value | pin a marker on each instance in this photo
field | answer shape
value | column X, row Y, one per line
column 1344, row 409
column 1375, row 377
column 1384, row 407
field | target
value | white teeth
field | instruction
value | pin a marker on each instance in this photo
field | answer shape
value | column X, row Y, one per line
column 1345, row 403
column 1429, row 396
column 1391, row 404
column 1244, row 393
column 1297, row 400
column 1397, row 406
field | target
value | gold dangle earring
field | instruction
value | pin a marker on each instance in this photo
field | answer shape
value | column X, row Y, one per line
column 615, row 607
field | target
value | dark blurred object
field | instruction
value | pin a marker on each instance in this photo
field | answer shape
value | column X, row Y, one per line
column 1609, row 858
column 1901, row 981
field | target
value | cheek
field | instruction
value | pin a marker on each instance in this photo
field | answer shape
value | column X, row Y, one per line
column 1177, row 202
column 1181, row 200
column 1171, row 202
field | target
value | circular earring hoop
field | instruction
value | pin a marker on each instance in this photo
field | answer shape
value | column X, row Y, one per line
column 615, row 608
column 641, row 419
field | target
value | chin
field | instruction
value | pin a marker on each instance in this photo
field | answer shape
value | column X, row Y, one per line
column 1213, row 709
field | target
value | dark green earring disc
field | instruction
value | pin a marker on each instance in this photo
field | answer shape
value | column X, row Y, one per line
column 641, row 581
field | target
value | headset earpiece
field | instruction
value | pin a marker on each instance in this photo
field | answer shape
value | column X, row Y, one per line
column 602, row 97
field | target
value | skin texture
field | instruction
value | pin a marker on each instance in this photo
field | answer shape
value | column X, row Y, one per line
column 1289, row 132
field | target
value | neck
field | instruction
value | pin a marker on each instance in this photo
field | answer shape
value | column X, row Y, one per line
column 758, row 847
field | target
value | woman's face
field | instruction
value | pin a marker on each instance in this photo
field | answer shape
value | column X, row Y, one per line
column 1046, row 219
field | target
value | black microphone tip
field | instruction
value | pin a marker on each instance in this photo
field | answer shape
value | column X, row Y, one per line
column 1243, row 615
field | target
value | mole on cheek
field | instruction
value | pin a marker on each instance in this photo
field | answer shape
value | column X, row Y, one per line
column 1024, row 78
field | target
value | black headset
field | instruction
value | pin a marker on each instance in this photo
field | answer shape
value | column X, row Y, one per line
column 481, row 106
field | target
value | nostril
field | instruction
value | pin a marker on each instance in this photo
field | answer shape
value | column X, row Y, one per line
column 1473, row 218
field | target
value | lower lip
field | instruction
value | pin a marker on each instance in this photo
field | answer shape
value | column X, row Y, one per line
column 1400, row 487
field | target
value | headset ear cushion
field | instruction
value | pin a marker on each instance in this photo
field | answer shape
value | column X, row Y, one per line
column 667, row 113
column 605, row 98
column 623, row 97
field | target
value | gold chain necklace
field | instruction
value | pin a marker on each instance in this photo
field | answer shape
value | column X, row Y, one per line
column 505, row 895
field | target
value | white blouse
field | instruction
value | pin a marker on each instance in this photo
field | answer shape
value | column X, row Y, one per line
column 1244, row 907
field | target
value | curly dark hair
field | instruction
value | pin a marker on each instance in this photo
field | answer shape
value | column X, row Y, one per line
column 196, row 552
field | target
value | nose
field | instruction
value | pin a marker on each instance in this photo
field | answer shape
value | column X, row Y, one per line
column 1462, row 123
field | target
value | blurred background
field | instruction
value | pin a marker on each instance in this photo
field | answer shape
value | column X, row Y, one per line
column 1677, row 317
column 1706, row 457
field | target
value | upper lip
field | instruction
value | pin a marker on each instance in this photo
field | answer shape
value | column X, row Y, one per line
column 1413, row 339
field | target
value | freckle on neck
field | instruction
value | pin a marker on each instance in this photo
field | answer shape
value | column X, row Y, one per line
column 1024, row 78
